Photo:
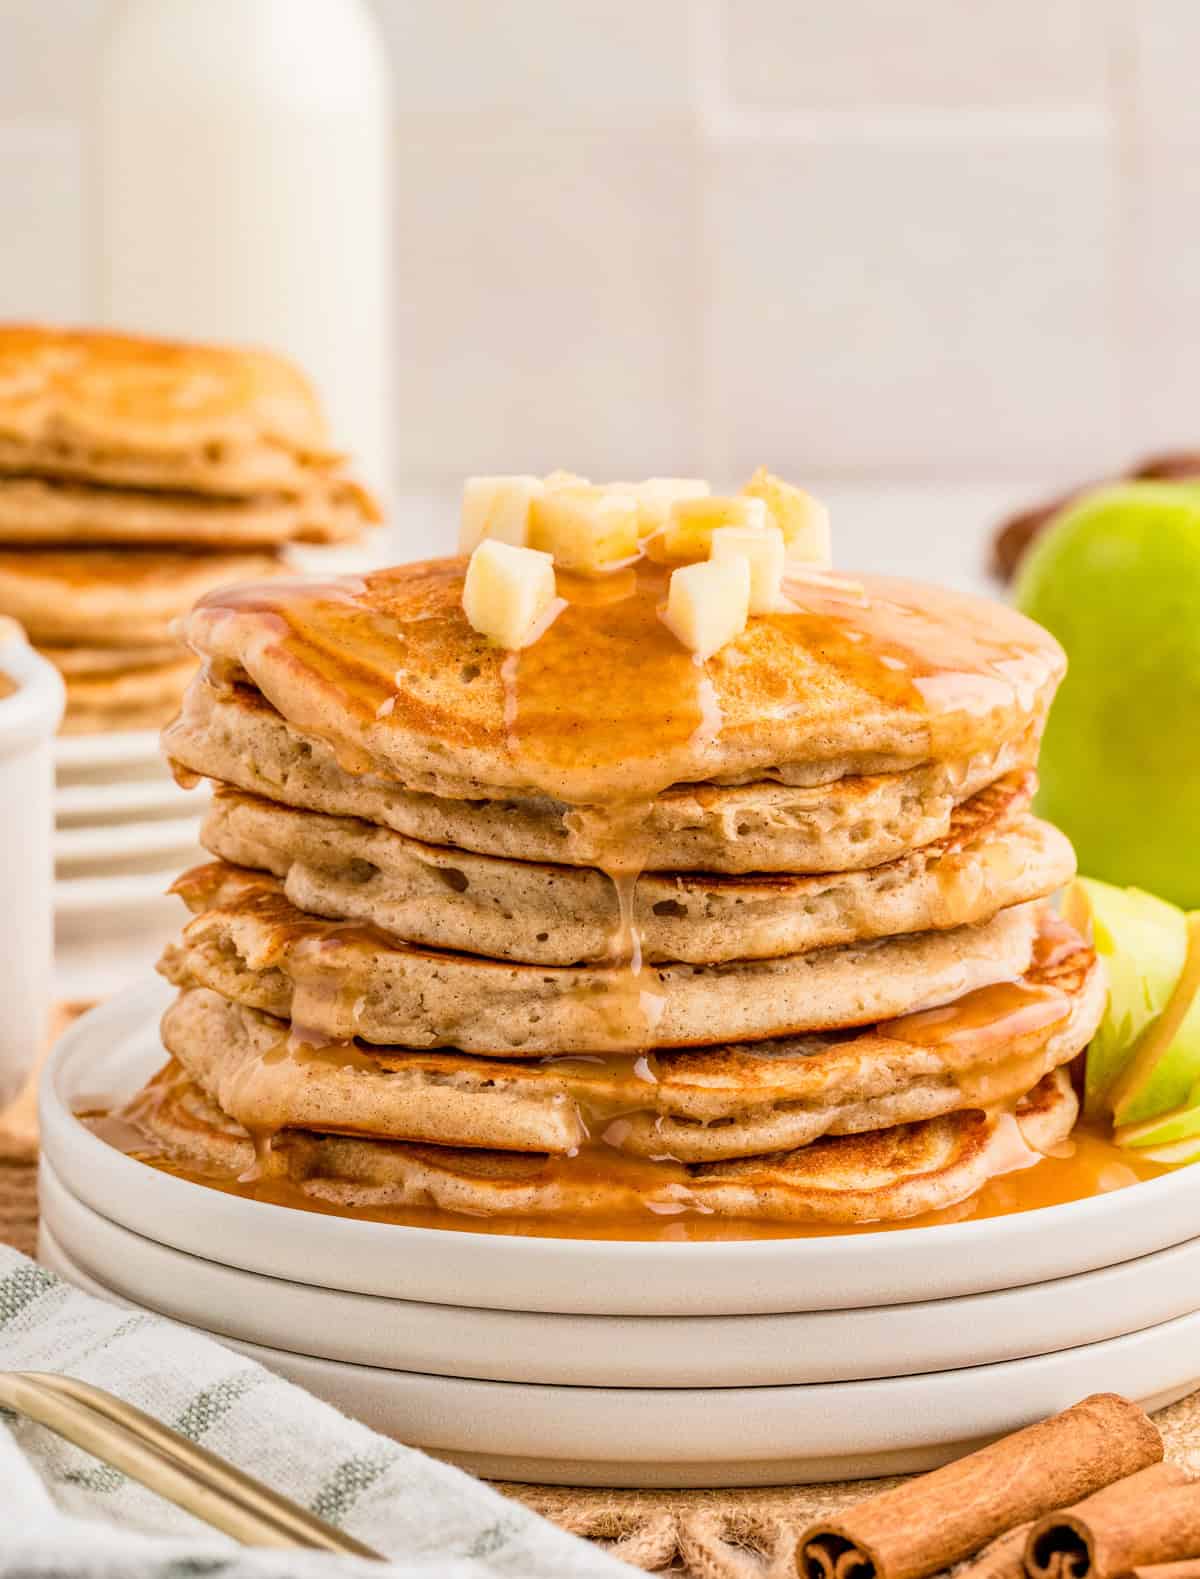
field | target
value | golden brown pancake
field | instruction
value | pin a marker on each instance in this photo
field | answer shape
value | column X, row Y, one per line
column 36, row 510
column 347, row 979
column 881, row 1176
column 846, row 825
column 141, row 697
column 134, row 411
column 114, row 597
column 607, row 705
column 993, row 856
column 92, row 661
column 704, row 1105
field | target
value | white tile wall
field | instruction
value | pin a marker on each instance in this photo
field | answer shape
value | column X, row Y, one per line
column 1163, row 43
column 917, row 54
column 861, row 238
column 42, row 262
column 547, row 301
column 543, row 61
column 913, row 306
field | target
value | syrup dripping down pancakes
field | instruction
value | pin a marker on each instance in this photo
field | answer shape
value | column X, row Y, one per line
column 595, row 938
column 136, row 474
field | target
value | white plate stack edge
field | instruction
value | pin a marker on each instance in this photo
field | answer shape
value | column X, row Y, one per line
column 631, row 1363
column 124, row 830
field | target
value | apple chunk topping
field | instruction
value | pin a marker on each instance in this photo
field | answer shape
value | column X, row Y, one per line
column 497, row 507
column 585, row 528
column 708, row 603
column 657, row 495
column 803, row 520
column 762, row 548
column 509, row 592
column 692, row 522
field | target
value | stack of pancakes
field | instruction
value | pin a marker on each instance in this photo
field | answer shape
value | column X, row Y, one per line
column 134, row 476
column 592, row 935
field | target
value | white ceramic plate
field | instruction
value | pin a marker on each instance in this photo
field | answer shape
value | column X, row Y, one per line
column 733, row 1436
column 126, row 844
column 111, row 1052
column 120, row 748
column 93, row 805
column 623, row 1351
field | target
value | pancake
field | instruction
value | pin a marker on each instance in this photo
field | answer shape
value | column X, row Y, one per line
column 846, row 825
column 138, row 412
column 882, row 1176
column 111, row 660
column 993, row 856
column 347, row 979
column 113, row 597
column 711, row 1104
column 607, row 706
column 35, row 511
column 144, row 697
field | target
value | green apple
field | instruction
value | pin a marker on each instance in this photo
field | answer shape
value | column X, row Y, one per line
column 1165, row 1065
column 1179, row 1130
column 1143, row 942
column 1117, row 579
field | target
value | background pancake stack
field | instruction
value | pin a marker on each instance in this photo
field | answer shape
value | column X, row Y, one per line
column 135, row 475
column 598, row 937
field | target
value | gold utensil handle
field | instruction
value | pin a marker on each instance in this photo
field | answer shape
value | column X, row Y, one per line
column 159, row 1458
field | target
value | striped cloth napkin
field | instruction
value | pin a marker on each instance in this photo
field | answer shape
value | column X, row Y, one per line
column 64, row 1514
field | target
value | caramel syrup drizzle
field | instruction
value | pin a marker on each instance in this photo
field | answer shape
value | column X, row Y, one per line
column 605, row 711
column 1089, row 1164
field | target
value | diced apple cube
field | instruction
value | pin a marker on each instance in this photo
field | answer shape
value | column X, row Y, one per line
column 586, row 529
column 497, row 507
column 803, row 520
column 656, row 495
column 508, row 592
column 555, row 480
column 708, row 603
column 762, row 548
column 692, row 522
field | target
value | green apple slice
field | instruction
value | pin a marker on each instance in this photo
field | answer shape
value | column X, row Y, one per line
column 1165, row 1065
column 1173, row 1155
column 1143, row 942
column 1182, row 1127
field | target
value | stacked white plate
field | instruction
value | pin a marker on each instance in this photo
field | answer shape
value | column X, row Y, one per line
column 634, row 1364
column 124, row 830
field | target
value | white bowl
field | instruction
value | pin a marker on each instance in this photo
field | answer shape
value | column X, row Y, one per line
column 109, row 1053
column 732, row 1436
column 622, row 1351
column 28, row 720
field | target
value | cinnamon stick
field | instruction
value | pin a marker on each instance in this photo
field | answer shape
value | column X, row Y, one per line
column 927, row 1524
column 1189, row 1568
column 1153, row 1517
column 1003, row 1559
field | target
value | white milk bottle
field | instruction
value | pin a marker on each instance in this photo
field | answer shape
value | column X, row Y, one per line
column 245, row 190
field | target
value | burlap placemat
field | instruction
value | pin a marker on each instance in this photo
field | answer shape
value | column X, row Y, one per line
column 748, row 1534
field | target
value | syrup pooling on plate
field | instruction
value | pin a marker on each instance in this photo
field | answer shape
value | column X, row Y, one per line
column 1089, row 1165
column 1012, row 1020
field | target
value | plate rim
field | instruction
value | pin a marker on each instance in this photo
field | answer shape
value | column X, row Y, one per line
column 252, row 1307
column 729, row 1417
column 721, row 1278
